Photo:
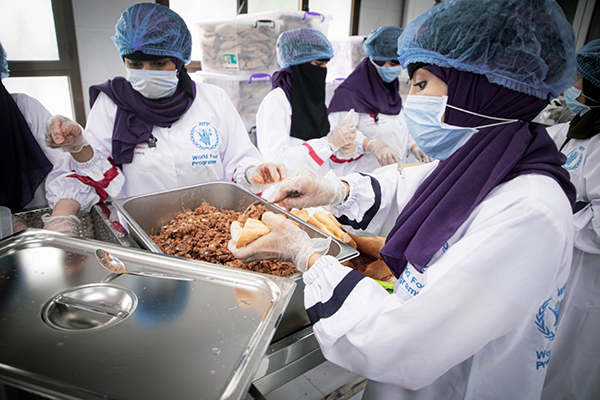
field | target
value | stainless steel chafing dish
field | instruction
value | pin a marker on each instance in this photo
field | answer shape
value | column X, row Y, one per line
column 70, row 329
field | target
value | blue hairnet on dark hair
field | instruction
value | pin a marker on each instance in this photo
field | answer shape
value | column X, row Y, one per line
column 3, row 63
column 302, row 45
column 588, row 62
column 524, row 45
column 382, row 43
column 154, row 30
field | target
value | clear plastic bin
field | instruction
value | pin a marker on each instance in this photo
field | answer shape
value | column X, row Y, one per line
column 5, row 222
column 291, row 19
column 233, row 46
column 347, row 54
column 246, row 91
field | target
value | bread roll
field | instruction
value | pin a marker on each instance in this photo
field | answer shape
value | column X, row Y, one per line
column 302, row 214
column 336, row 230
column 378, row 270
column 370, row 246
column 252, row 230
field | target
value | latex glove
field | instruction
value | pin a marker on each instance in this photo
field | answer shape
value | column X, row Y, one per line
column 63, row 224
column 422, row 157
column 384, row 153
column 343, row 134
column 66, row 134
column 266, row 174
column 347, row 151
column 285, row 242
column 313, row 190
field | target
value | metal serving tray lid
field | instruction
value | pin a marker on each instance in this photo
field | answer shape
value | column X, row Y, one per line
column 71, row 329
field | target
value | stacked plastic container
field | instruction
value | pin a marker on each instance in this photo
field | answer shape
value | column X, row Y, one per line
column 239, row 55
column 348, row 53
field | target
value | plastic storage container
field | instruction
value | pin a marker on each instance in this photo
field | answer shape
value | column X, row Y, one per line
column 233, row 46
column 246, row 91
column 5, row 222
column 291, row 19
column 347, row 54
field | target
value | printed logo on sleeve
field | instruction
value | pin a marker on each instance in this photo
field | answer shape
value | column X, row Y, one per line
column 546, row 321
column 574, row 159
column 204, row 136
column 411, row 281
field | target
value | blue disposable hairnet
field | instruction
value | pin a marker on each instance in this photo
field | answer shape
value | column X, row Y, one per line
column 3, row 63
column 382, row 43
column 154, row 30
column 524, row 45
column 588, row 62
column 302, row 45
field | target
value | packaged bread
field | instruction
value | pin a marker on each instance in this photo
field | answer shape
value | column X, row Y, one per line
column 252, row 230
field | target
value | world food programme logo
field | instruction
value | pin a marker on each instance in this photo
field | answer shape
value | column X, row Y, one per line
column 546, row 318
column 574, row 159
column 204, row 136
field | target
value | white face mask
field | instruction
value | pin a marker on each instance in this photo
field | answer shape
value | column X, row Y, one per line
column 153, row 84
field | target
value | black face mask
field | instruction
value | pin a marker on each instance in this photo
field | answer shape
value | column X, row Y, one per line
column 309, row 113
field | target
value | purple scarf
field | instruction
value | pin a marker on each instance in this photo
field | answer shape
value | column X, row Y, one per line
column 24, row 165
column 367, row 93
column 136, row 115
column 283, row 79
column 492, row 156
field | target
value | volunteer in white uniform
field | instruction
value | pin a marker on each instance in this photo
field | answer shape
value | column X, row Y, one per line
column 574, row 370
column 31, row 169
column 372, row 90
column 482, row 245
column 156, row 129
column 291, row 123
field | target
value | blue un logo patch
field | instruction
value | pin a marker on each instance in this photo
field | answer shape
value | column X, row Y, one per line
column 574, row 159
column 204, row 136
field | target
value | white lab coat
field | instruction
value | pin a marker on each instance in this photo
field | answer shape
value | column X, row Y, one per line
column 390, row 129
column 273, row 126
column 209, row 142
column 574, row 370
column 477, row 323
column 36, row 116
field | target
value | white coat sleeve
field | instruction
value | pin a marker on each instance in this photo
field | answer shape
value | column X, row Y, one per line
column 238, row 153
column 100, row 167
column 494, row 277
column 273, row 125
column 587, row 221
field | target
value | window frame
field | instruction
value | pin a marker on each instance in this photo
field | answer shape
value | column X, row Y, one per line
column 68, row 62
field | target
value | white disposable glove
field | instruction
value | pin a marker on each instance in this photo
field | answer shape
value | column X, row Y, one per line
column 64, row 224
column 311, row 190
column 384, row 153
column 285, row 242
column 343, row 134
column 66, row 134
column 266, row 174
column 422, row 157
column 347, row 151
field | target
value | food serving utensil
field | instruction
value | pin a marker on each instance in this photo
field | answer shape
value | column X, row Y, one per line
column 116, row 266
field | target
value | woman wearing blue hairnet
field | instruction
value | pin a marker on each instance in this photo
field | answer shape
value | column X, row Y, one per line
column 32, row 172
column 292, row 127
column 574, row 369
column 482, row 241
column 156, row 129
column 372, row 90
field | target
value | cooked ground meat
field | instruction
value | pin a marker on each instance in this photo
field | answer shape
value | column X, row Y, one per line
column 203, row 234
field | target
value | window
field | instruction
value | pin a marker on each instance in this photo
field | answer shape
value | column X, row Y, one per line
column 39, row 39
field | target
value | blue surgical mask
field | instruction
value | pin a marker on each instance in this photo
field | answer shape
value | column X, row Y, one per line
column 153, row 84
column 423, row 115
column 571, row 95
column 388, row 74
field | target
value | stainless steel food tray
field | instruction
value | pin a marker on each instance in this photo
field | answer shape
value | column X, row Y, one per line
column 146, row 214
column 130, row 337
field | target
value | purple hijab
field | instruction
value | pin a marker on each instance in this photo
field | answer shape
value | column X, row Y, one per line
column 24, row 165
column 136, row 114
column 367, row 93
column 283, row 79
column 492, row 156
